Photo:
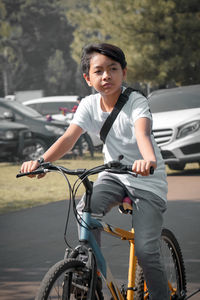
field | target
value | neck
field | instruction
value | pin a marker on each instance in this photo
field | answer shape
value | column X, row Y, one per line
column 109, row 101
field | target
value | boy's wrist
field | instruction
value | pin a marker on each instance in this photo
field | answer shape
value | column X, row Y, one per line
column 40, row 160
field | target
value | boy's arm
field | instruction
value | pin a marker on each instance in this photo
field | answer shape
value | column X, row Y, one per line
column 143, row 137
column 58, row 149
column 64, row 144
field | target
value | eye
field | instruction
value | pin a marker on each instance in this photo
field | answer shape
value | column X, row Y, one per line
column 98, row 72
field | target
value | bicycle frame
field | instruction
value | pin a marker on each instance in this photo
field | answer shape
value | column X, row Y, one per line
column 96, row 259
column 87, row 236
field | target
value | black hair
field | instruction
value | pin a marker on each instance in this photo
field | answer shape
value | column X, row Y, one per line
column 113, row 52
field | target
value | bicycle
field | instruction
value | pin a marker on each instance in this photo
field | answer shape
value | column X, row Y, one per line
column 79, row 275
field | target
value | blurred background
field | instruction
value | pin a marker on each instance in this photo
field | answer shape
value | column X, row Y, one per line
column 40, row 49
column 41, row 42
column 40, row 81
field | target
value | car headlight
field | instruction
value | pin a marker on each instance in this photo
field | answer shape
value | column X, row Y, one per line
column 10, row 135
column 28, row 134
column 54, row 129
column 188, row 128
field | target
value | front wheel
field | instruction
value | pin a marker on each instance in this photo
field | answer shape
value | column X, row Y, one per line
column 68, row 279
column 174, row 266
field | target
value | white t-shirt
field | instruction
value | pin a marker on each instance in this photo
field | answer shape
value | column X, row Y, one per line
column 121, row 138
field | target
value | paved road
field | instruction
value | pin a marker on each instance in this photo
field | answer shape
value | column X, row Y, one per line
column 32, row 240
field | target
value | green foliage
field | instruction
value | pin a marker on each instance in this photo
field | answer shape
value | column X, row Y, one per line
column 161, row 39
column 41, row 41
column 57, row 74
column 42, row 31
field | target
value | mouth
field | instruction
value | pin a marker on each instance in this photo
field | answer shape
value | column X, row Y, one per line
column 107, row 85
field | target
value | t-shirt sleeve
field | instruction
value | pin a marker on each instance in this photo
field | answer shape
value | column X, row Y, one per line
column 140, row 108
column 82, row 115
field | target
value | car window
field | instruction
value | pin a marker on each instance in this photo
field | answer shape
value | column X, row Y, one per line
column 34, row 106
column 173, row 101
column 26, row 110
column 17, row 116
column 52, row 107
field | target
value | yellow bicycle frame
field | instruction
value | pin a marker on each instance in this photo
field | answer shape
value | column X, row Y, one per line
column 129, row 236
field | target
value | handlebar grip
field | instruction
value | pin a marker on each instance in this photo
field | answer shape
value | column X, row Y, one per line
column 151, row 172
column 36, row 172
column 129, row 168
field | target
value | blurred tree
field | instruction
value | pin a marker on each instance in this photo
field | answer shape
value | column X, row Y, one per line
column 57, row 74
column 42, row 30
column 45, row 30
column 10, row 54
column 161, row 39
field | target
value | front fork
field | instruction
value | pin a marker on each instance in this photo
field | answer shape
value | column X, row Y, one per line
column 84, row 252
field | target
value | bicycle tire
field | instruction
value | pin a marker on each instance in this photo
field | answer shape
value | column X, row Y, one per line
column 69, row 280
column 176, row 277
column 174, row 265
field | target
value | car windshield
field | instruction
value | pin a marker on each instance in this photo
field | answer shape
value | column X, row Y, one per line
column 28, row 111
column 52, row 107
column 170, row 101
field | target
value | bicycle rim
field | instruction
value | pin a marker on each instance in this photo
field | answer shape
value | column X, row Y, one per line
column 174, row 265
column 67, row 280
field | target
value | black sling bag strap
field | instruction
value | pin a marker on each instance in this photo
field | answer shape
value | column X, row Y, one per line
column 123, row 98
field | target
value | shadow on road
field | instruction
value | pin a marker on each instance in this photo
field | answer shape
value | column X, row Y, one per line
column 32, row 241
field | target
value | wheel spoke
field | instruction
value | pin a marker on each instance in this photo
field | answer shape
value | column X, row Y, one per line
column 67, row 280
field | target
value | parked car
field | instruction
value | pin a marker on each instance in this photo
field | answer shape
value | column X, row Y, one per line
column 176, row 124
column 44, row 132
column 15, row 141
column 52, row 105
column 59, row 108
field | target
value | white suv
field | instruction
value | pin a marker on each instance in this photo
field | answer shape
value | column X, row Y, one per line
column 59, row 108
column 176, row 124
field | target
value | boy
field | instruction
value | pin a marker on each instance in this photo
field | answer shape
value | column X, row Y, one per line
column 104, row 69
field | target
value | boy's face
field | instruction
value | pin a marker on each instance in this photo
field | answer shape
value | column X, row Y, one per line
column 105, row 74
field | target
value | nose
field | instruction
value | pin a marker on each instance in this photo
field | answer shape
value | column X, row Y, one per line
column 106, row 75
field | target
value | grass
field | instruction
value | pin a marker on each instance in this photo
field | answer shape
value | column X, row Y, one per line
column 17, row 194
column 24, row 192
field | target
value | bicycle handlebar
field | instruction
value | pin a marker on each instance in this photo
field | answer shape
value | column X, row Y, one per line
column 113, row 167
column 48, row 167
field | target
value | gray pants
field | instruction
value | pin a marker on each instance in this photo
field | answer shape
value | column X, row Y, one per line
column 147, row 222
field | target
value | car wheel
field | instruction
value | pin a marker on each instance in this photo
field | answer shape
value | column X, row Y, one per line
column 83, row 145
column 87, row 144
column 33, row 152
column 177, row 166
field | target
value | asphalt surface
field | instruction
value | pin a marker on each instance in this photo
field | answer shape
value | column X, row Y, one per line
column 32, row 240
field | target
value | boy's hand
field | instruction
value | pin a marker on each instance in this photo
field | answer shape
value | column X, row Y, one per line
column 30, row 166
column 142, row 167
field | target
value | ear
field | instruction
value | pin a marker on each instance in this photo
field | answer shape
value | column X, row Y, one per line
column 87, row 79
column 124, row 73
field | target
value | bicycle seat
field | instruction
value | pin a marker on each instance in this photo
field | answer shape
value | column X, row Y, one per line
column 126, row 206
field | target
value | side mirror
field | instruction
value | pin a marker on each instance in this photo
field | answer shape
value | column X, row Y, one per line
column 8, row 115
